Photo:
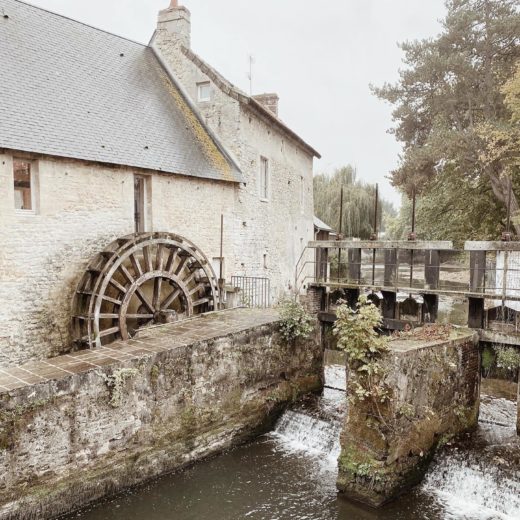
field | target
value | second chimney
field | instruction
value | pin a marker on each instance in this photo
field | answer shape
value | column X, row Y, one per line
column 177, row 21
column 269, row 101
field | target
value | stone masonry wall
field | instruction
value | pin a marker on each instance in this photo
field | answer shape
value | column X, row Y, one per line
column 269, row 235
column 387, row 447
column 106, row 419
column 82, row 208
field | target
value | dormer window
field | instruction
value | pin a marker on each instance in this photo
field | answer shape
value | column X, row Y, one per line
column 204, row 91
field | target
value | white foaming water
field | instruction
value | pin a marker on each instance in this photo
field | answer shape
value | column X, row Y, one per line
column 336, row 377
column 477, row 483
column 468, row 489
column 302, row 432
column 317, row 431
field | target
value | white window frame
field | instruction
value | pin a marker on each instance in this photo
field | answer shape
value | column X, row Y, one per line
column 35, row 187
column 200, row 86
column 264, row 180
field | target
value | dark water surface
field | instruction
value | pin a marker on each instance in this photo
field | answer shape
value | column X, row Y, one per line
column 259, row 481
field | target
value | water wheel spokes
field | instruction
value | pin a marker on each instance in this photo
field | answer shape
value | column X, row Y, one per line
column 140, row 280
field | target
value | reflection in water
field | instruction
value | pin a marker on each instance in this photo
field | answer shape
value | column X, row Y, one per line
column 291, row 474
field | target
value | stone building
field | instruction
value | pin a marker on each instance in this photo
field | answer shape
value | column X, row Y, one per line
column 102, row 137
column 274, row 207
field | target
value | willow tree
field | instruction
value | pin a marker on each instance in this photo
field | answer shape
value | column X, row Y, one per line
column 449, row 88
column 358, row 203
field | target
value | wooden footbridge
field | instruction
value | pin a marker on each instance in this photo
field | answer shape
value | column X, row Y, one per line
column 407, row 279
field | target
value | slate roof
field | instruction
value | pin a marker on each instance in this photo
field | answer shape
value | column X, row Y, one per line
column 71, row 90
column 319, row 224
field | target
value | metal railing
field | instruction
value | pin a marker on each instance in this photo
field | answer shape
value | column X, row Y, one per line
column 255, row 290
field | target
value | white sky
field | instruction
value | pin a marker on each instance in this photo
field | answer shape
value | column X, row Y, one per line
column 320, row 57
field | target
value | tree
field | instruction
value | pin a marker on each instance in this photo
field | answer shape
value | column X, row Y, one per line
column 358, row 203
column 449, row 89
column 502, row 138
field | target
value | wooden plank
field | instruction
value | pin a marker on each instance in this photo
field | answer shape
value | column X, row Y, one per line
column 477, row 270
column 417, row 290
column 439, row 245
column 389, row 305
column 391, row 267
column 476, row 313
column 491, row 246
column 354, row 265
column 432, row 268
column 430, row 308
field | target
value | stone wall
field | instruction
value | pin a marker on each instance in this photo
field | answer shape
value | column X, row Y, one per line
column 269, row 235
column 82, row 208
column 105, row 424
column 387, row 446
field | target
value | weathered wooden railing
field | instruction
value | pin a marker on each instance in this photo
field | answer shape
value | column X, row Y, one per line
column 482, row 271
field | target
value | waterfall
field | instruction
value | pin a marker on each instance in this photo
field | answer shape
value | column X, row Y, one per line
column 306, row 433
column 314, row 426
column 481, row 481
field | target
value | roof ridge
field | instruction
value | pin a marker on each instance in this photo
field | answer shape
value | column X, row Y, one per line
column 79, row 22
column 240, row 95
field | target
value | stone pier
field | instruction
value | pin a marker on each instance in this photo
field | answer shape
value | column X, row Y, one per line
column 82, row 426
column 434, row 389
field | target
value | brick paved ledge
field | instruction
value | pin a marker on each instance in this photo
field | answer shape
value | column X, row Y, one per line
column 156, row 339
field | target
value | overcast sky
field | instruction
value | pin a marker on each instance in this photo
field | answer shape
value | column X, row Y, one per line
column 320, row 57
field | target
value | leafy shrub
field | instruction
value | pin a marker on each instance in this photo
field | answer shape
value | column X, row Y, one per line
column 488, row 360
column 508, row 358
column 296, row 322
column 357, row 336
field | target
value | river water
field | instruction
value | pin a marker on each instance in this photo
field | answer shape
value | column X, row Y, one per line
column 290, row 474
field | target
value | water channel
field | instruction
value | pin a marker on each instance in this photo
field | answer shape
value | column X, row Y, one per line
column 291, row 472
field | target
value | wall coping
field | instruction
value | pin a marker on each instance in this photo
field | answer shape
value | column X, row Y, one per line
column 159, row 338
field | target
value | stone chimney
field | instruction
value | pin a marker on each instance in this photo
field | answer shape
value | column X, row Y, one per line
column 269, row 101
column 176, row 20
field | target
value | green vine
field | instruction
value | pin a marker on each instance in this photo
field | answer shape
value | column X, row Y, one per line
column 357, row 336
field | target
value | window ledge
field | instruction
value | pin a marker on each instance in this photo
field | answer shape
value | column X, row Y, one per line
column 25, row 212
column 264, row 200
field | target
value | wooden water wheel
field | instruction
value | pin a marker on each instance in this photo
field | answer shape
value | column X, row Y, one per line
column 140, row 280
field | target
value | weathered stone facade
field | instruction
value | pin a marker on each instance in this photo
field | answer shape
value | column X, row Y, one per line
column 270, row 233
column 106, row 419
column 82, row 208
column 387, row 446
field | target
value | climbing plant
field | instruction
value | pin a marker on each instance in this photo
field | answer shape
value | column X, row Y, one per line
column 295, row 321
column 357, row 336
